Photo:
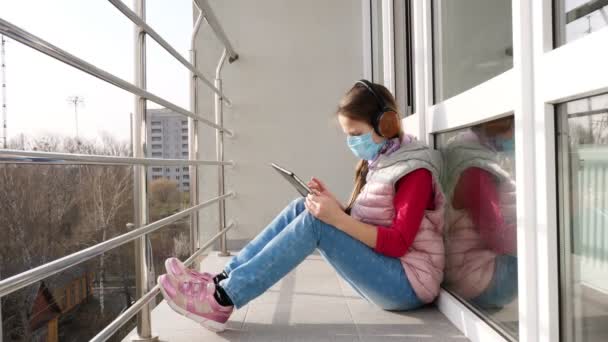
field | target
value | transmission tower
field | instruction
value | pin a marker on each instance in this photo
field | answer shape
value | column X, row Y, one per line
column 4, row 109
column 76, row 101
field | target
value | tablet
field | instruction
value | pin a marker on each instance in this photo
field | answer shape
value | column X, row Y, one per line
column 297, row 183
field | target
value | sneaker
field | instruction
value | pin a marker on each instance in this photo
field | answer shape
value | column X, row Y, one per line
column 195, row 300
column 181, row 273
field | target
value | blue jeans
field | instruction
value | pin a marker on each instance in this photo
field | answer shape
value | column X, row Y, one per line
column 291, row 237
column 503, row 286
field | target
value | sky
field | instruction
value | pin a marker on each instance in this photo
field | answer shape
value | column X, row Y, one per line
column 38, row 86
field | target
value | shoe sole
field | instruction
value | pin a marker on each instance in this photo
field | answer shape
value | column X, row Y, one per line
column 205, row 322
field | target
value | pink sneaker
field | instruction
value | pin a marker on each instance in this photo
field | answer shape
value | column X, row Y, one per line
column 181, row 273
column 195, row 300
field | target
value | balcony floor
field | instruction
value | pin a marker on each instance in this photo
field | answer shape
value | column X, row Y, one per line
column 312, row 303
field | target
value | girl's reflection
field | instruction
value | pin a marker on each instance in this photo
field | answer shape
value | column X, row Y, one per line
column 481, row 240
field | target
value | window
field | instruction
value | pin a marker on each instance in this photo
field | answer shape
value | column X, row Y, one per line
column 185, row 168
column 577, row 18
column 156, row 130
column 184, row 130
column 472, row 43
column 184, row 122
column 155, row 177
column 377, row 46
column 187, row 184
column 157, row 146
column 184, row 137
column 157, row 138
column 157, row 154
column 184, row 154
column 157, row 169
column 168, row 170
column 481, row 229
column 404, row 56
column 184, row 145
column 177, row 177
column 155, row 123
column 186, row 177
column 177, row 169
column 583, row 191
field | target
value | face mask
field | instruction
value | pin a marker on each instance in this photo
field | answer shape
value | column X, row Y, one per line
column 363, row 146
column 506, row 145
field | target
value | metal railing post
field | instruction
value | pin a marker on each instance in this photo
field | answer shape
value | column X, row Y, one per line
column 219, row 144
column 193, row 142
column 144, row 326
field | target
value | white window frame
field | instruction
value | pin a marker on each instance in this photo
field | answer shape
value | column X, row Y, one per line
column 541, row 77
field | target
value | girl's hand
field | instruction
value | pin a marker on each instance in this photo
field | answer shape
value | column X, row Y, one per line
column 324, row 207
column 317, row 185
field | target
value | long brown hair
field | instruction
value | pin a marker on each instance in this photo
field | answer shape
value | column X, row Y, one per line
column 360, row 104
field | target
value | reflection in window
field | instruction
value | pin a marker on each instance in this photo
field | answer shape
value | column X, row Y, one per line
column 481, row 239
column 472, row 43
column 578, row 18
column 583, row 189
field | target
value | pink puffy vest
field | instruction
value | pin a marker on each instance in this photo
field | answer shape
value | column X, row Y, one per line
column 470, row 261
column 424, row 261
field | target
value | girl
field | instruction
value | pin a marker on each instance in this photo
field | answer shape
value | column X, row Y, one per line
column 386, row 243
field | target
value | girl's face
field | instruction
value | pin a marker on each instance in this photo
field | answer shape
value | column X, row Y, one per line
column 357, row 127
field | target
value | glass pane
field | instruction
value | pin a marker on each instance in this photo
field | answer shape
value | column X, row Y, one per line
column 377, row 46
column 578, row 18
column 404, row 57
column 411, row 76
column 583, row 155
column 472, row 43
column 481, row 225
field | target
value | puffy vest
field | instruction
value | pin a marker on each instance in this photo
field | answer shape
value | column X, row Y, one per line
column 425, row 259
column 470, row 260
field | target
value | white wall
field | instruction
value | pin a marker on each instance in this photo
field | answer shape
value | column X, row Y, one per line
column 297, row 58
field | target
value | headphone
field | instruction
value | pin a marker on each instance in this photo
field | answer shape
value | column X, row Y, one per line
column 386, row 121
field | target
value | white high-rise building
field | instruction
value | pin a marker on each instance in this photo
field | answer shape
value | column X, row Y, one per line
column 167, row 138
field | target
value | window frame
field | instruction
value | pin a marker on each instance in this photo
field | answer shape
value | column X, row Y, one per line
column 542, row 76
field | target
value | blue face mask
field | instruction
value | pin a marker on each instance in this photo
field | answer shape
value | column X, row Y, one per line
column 363, row 146
column 506, row 145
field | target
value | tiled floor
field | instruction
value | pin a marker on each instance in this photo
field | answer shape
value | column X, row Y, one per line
column 310, row 304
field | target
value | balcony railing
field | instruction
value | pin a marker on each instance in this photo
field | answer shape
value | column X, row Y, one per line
column 141, row 228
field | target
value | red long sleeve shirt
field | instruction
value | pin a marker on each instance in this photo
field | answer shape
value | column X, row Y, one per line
column 413, row 195
column 477, row 192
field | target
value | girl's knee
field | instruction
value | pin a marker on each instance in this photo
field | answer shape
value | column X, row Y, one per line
column 309, row 224
column 298, row 204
